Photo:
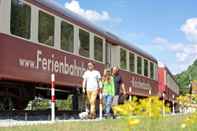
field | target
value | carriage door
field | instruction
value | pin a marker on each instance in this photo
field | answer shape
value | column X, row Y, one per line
column 108, row 55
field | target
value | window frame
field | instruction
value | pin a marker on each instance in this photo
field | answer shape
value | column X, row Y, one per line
column 138, row 56
column 30, row 24
column 54, row 27
column 152, row 77
column 79, row 43
column 103, row 48
column 74, row 36
column 134, row 60
column 147, row 67
column 108, row 45
column 126, row 58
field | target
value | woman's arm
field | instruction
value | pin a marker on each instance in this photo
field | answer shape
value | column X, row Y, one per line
column 113, row 86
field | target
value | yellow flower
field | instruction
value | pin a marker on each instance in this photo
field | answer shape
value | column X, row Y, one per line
column 133, row 122
column 120, row 110
column 183, row 125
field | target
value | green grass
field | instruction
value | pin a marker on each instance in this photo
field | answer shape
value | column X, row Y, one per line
column 146, row 124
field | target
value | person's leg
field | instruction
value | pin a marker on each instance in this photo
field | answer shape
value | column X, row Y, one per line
column 93, row 101
column 115, row 100
column 104, row 102
column 88, row 96
column 86, row 103
column 114, row 103
column 108, row 104
column 89, row 100
column 121, row 99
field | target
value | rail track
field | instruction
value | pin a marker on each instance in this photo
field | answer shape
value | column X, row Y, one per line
column 44, row 115
column 41, row 117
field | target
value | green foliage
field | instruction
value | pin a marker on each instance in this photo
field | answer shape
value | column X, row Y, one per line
column 184, row 100
column 40, row 104
column 45, row 104
column 183, row 78
column 189, row 121
column 149, row 107
column 64, row 104
column 187, row 100
column 168, row 123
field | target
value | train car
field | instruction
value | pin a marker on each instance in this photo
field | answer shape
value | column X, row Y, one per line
column 39, row 37
column 168, row 87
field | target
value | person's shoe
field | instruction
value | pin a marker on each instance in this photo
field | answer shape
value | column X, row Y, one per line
column 94, row 116
column 89, row 116
column 107, row 116
column 114, row 116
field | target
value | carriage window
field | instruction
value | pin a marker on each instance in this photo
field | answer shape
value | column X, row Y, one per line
column 108, row 55
column 151, row 70
column 145, row 68
column 98, row 49
column 46, row 29
column 123, row 59
column 139, row 65
column 20, row 19
column 84, row 38
column 155, row 72
column 67, row 37
column 132, row 62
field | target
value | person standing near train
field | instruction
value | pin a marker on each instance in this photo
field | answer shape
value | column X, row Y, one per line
column 108, row 91
column 91, row 85
column 120, row 90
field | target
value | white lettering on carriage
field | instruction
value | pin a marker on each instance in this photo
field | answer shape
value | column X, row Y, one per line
column 53, row 65
column 140, row 85
column 137, row 83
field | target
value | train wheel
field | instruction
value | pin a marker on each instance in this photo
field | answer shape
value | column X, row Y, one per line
column 6, row 104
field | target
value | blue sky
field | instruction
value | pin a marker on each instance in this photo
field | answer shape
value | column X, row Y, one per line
column 166, row 29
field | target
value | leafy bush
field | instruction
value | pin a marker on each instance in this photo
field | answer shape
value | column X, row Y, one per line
column 151, row 107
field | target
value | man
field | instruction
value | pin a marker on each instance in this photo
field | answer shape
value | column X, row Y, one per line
column 120, row 90
column 91, row 79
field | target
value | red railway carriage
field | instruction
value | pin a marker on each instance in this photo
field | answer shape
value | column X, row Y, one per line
column 167, row 84
column 39, row 37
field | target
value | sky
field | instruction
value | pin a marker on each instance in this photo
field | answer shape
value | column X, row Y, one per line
column 166, row 29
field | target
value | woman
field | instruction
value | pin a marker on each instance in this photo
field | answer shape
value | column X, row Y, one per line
column 108, row 91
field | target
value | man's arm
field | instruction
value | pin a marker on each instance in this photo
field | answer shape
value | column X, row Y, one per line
column 113, row 87
column 99, row 80
column 100, row 83
column 84, row 85
column 123, row 88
